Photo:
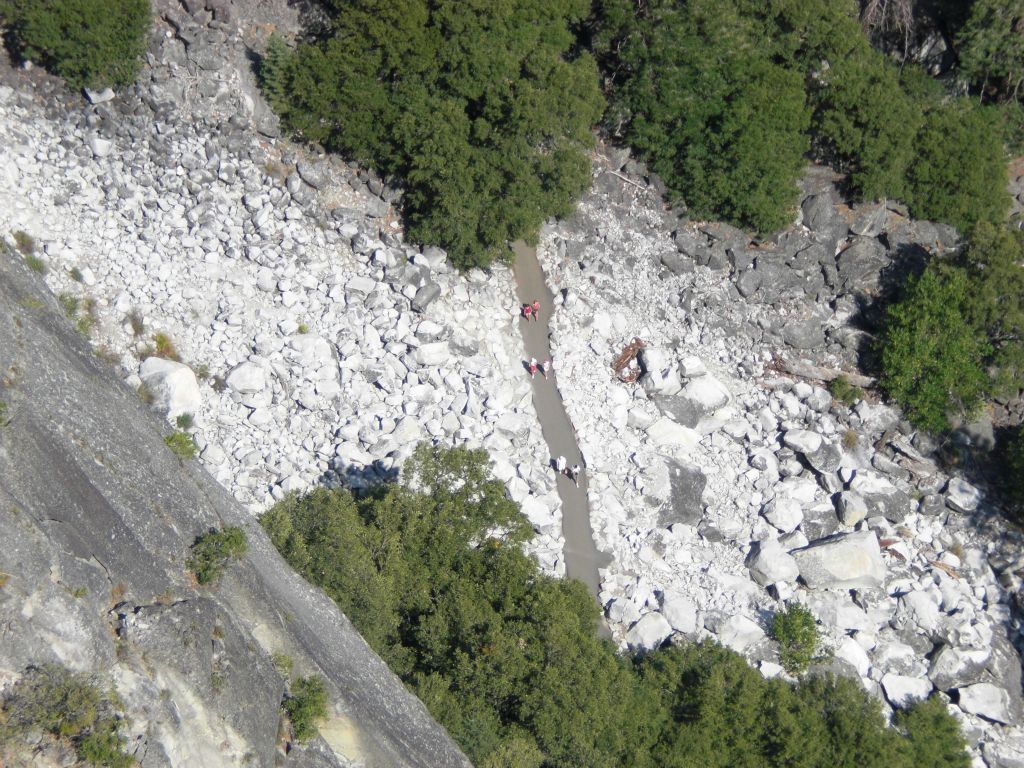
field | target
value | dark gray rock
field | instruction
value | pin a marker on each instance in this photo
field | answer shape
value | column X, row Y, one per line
column 893, row 506
column 826, row 459
column 748, row 282
column 860, row 265
column 676, row 263
column 819, row 212
column 314, row 174
column 681, row 410
column 686, row 488
column 819, row 522
column 869, row 219
column 425, row 296
column 804, row 334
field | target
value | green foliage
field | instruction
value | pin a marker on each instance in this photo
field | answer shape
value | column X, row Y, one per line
column 69, row 303
column 184, row 421
column 163, row 346
column 305, row 704
column 933, row 738
column 212, row 552
column 483, row 110
column 182, row 445
column 508, row 660
column 796, row 632
column 994, row 305
column 931, row 355
column 36, row 264
column 842, row 390
column 958, row 175
column 700, row 96
column 1013, row 466
column 90, row 43
column 65, row 704
column 869, row 122
column 282, row 662
column 5, row 418
column 991, row 47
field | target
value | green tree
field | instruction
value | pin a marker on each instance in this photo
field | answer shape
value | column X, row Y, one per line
column 306, row 704
column 959, row 173
column 932, row 737
column 931, row 355
column 482, row 109
column 870, row 123
column 990, row 47
column 212, row 552
column 796, row 632
column 90, row 43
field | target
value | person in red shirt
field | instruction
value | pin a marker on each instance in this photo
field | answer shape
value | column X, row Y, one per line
column 533, row 367
column 536, row 309
column 527, row 311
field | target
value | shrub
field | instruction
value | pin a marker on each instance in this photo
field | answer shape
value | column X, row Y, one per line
column 24, row 242
column 90, row 43
column 933, row 738
column 69, row 303
column 65, row 704
column 5, row 418
column 282, row 662
column 163, row 346
column 305, row 704
column 931, row 355
column 36, row 264
column 869, row 123
column 485, row 116
column 181, row 444
column 212, row 552
column 959, row 173
column 796, row 632
column 843, row 391
column 184, row 421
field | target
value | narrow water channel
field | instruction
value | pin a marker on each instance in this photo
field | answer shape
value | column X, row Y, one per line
column 582, row 559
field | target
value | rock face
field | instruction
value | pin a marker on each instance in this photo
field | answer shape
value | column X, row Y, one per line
column 843, row 561
column 115, row 531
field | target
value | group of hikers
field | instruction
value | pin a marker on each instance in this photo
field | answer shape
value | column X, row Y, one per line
column 532, row 312
column 563, row 468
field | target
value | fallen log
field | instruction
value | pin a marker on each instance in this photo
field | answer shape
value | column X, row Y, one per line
column 808, row 370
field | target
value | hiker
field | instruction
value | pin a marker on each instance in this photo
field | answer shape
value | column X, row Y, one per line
column 533, row 367
column 545, row 367
column 560, row 464
column 574, row 474
column 527, row 311
column 536, row 309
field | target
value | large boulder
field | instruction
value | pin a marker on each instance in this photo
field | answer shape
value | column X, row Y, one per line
column 881, row 497
column 650, row 632
column 247, row 378
column 680, row 612
column 842, row 561
column 769, row 563
column 957, row 667
column 172, row 385
column 664, row 432
column 784, row 513
column 961, row 495
column 739, row 633
column 986, row 700
column 860, row 265
column 686, row 487
column 904, row 690
column 660, row 375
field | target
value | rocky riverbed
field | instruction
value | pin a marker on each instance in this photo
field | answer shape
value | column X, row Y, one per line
column 317, row 347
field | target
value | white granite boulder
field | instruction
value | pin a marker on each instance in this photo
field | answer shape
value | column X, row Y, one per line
column 842, row 561
column 903, row 690
column 650, row 632
column 247, row 378
column 769, row 563
column 173, row 386
column 985, row 700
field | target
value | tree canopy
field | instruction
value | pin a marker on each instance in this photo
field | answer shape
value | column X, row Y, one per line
column 482, row 109
column 508, row 659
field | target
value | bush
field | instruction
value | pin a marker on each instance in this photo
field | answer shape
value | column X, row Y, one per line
column 844, row 392
column 959, row 172
column 212, row 552
column 90, row 43
column 931, row 355
column 869, row 123
column 182, row 445
column 484, row 116
column 796, row 632
column 508, row 659
column 305, row 705
column 64, row 704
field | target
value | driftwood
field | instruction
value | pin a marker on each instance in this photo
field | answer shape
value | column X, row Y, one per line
column 627, row 356
column 808, row 370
